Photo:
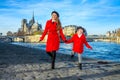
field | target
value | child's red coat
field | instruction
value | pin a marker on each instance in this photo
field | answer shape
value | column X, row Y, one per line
column 53, row 39
column 78, row 43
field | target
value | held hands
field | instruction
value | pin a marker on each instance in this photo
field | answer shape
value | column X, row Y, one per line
column 65, row 41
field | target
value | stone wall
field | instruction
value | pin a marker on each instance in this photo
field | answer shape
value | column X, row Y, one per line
column 34, row 38
column 17, row 39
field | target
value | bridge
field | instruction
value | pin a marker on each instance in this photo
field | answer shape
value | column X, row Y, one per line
column 11, row 38
column 22, row 38
column 92, row 38
column 98, row 38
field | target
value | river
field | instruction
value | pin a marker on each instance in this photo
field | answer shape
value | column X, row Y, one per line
column 101, row 50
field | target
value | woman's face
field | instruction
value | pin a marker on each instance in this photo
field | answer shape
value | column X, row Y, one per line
column 54, row 16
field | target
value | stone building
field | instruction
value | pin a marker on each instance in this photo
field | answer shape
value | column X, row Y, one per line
column 114, row 35
column 108, row 34
column 69, row 30
column 9, row 33
column 31, row 27
column 111, row 34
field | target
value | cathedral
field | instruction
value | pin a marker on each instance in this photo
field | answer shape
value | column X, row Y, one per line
column 30, row 27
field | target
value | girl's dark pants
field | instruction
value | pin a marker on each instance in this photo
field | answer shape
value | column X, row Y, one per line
column 53, row 57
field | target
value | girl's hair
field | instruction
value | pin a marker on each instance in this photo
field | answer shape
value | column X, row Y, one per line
column 84, row 30
column 80, row 27
column 58, row 22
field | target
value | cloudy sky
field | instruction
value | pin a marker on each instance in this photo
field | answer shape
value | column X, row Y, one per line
column 97, row 16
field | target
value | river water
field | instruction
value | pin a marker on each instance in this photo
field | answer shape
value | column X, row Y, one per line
column 101, row 50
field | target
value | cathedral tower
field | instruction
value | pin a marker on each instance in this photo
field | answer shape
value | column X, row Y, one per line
column 32, row 21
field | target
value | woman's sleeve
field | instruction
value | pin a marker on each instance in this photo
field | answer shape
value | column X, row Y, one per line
column 86, row 43
column 45, row 31
column 62, row 35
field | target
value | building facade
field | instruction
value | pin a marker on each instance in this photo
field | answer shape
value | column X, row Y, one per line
column 69, row 30
column 30, row 27
column 114, row 35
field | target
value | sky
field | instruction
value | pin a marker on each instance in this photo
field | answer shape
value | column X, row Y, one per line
column 96, row 16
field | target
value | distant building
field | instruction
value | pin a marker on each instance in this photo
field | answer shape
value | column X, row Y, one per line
column 114, row 35
column 108, row 34
column 111, row 34
column 9, row 33
column 31, row 27
column 118, row 32
column 69, row 30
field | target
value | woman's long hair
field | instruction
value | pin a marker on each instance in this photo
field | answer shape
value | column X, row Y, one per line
column 59, row 26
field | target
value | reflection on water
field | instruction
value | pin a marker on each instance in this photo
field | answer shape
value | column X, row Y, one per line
column 101, row 50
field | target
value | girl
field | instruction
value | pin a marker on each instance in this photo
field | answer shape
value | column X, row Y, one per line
column 54, row 30
column 78, row 40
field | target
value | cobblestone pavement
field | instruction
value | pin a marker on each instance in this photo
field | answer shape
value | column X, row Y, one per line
column 22, row 63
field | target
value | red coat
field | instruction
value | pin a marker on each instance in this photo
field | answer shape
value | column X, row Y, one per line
column 78, row 43
column 53, row 39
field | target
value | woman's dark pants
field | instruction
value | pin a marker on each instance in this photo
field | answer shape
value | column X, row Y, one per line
column 53, row 57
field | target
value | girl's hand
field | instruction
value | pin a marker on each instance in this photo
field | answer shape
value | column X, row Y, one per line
column 65, row 41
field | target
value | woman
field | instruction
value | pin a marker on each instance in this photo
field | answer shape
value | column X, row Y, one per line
column 54, row 30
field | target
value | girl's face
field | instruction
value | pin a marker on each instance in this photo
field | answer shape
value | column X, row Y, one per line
column 80, row 31
column 54, row 16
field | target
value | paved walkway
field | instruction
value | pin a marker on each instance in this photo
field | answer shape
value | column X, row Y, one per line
column 22, row 63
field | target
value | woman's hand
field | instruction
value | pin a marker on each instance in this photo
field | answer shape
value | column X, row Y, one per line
column 91, row 48
column 40, row 40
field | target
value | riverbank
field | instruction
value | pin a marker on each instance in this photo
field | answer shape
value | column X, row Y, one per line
column 23, row 63
column 101, row 50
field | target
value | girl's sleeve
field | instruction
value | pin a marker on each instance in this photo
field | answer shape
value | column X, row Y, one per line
column 70, row 40
column 86, row 43
column 62, row 35
column 45, row 31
